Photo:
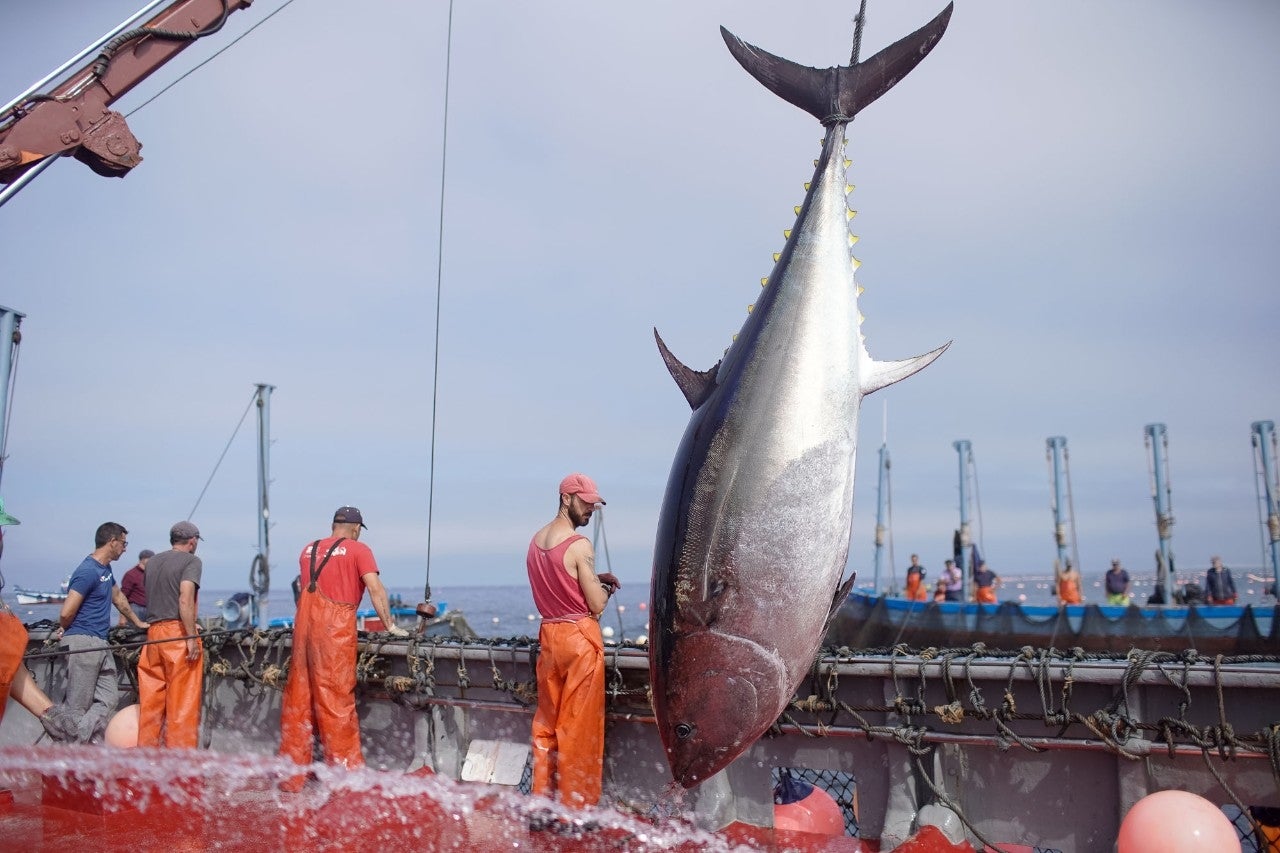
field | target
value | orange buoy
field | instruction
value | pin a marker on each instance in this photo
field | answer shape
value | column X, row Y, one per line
column 800, row 807
column 1174, row 822
column 122, row 731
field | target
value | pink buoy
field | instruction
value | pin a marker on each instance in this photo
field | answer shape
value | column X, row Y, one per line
column 1176, row 822
column 122, row 731
column 801, row 807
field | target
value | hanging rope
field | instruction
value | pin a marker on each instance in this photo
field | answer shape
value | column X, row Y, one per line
column 218, row 464
column 435, row 369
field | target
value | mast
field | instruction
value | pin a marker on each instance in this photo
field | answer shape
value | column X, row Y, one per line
column 1264, row 454
column 1056, row 450
column 882, row 503
column 10, row 337
column 1157, row 441
column 965, row 451
column 260, row 573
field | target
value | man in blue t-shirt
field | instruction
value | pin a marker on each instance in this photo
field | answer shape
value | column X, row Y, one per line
column 92, row 690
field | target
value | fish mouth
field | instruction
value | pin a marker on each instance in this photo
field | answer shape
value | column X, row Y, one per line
column 723, row 692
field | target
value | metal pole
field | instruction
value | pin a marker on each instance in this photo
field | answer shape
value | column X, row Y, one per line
column 1157, row 440
column 882, row 502
column 260, row 581
column 1057, row 446
column 10, row 320
column 1264, row 448
column 963, row 449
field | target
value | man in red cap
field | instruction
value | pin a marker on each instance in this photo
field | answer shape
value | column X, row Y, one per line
column 320, row 695
column 568, row 727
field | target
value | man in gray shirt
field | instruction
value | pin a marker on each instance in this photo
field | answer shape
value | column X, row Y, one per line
column 170, row 669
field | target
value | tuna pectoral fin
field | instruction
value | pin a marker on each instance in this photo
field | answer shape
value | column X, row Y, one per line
column 888, row 372
column 842, row 592
column 694, row 384
column 836, row 94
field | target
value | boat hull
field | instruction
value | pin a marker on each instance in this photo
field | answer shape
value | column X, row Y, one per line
column 867, row 621
column 887, row 721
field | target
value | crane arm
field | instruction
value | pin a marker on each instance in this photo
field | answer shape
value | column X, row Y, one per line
column 74, row 118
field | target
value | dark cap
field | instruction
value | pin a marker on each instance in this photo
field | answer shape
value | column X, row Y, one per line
column 349, row 515
column 145, row 553
column 184, row 530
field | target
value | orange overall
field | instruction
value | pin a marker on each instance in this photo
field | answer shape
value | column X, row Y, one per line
column 13, row 645
column 320, row 695
column 568, row 727
column 1068, row 591
column 169, row 689
column 915, row 587
column 985, row 595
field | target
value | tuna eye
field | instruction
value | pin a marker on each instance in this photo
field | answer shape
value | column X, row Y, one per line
column 684, row 731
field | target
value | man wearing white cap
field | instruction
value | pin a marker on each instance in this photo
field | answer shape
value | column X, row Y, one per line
column 568, row 727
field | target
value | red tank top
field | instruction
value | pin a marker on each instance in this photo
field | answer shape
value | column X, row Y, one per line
column 556, row 594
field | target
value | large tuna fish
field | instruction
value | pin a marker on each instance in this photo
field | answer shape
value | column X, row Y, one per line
column 754, row 530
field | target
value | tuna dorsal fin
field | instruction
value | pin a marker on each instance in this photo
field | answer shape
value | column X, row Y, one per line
column 836, row 94
column 695, row 385
column 888, row 372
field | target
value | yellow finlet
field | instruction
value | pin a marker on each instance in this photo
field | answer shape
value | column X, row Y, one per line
column 797, row 210
column 786, row 233
column 853, row 238
column 847, row 162
column 764, row 282
column 751, row 307
column 856, row 263
column 848, row 188
column 861, row 319
column 806, row 186
column 815, row 163
column 861, row 289
column 776, row 256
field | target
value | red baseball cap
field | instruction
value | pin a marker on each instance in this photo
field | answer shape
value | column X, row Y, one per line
column 582, row 486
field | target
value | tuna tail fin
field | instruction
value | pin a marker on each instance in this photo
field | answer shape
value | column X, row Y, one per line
column 696, row 385
column 837, row 94
column 885, row 373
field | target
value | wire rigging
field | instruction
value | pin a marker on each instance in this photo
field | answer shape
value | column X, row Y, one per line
column 435, row 369
column 218, row 464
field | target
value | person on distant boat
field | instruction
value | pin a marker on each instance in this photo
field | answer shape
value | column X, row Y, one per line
column 1068, row 584
column 170, row 669
column 15, row 679
column 940, row 590
column 954, row 581
column 1116, row 583
column 92, row 690
column 320, row 695
column 568, row 726
column 915, row 580
column 1219, row 586
column 985, row 582
column 133, row 584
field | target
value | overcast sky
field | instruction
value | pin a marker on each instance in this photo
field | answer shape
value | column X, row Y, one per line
column 1081, row 195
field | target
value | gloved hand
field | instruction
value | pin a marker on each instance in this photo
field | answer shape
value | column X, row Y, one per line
column 609, row 581
column 397, row 631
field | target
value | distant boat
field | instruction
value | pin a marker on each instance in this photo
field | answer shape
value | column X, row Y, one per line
column 868, row 621
column 32, row 596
